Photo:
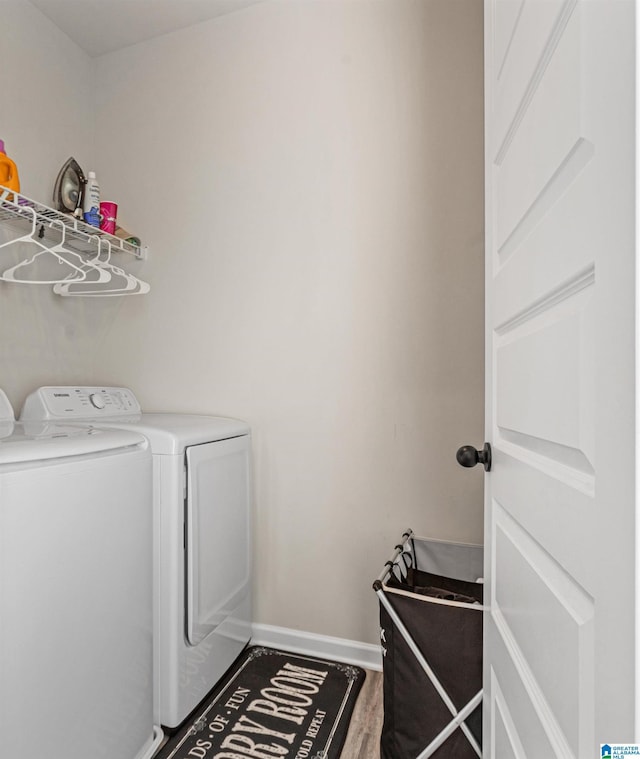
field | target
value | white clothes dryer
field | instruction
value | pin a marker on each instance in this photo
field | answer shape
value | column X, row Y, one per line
column 76, row 649
column 202, row 535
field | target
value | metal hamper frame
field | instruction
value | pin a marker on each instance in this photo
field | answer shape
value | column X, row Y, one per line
column 398, row 566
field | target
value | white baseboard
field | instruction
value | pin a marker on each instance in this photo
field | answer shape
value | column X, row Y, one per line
column 363, row 655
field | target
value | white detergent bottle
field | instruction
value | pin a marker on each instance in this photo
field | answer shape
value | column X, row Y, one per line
column 91, row 201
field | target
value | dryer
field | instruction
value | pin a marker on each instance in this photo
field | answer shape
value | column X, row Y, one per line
column 76, row 666
column 202, row 535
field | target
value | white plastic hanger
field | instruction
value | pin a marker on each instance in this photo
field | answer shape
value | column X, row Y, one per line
column 130, row 285
column 119, row 281
column 61, row 254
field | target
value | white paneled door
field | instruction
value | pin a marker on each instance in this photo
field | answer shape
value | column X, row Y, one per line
column 560, row 637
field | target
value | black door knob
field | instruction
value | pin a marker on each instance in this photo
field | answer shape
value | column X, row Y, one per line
column 469, row 456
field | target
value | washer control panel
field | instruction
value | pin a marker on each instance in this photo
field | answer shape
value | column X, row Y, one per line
column 6, row 410
column 48, row 403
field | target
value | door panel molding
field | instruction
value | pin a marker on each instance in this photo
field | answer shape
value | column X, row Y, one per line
column 561, row 647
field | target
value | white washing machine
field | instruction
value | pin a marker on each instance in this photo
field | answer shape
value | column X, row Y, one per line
column 201, row 470
column 76, row 649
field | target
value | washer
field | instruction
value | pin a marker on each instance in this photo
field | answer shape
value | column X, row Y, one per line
column 201, row 471
column 76, row 648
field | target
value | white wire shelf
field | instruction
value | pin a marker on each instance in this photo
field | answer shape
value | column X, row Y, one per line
column 19, row 211
column 63, row 251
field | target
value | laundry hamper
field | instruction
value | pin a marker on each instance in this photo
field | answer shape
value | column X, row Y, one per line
column 431, row 633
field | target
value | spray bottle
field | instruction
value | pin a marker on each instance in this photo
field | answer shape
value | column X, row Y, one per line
column 91, row 202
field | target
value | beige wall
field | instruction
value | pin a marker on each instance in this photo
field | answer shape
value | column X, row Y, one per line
column 46, row 116
column 308, row 174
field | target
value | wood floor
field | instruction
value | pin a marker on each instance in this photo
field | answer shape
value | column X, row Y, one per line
column 363, row 738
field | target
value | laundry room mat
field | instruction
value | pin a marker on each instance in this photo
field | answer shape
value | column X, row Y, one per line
column 274, row 704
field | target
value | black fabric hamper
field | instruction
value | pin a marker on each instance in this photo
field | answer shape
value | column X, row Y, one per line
column 431, row 622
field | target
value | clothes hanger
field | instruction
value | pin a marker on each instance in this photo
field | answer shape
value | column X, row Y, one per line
column 130, row 285
column 120, row 282
column 58, row 251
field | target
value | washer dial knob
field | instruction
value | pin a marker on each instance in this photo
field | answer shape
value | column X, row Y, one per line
column 97, row 401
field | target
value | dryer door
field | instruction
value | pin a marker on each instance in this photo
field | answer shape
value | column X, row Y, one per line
column 217, row 535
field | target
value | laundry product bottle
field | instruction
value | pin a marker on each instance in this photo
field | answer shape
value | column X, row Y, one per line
column 91, row 202
column 8, row 172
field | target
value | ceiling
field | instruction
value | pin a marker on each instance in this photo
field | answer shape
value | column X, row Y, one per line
column 101, row 26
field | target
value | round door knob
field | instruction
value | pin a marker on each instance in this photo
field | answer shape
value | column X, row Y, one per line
column 469, row 456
